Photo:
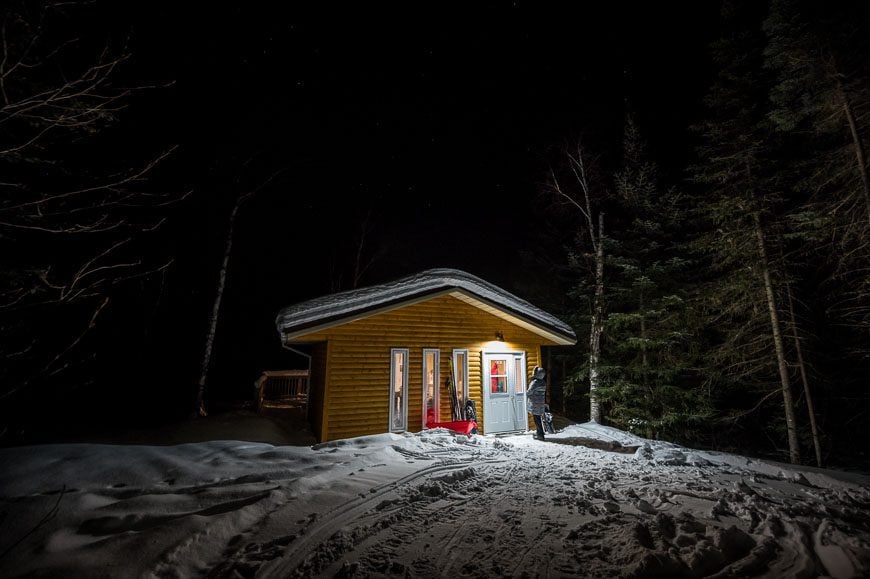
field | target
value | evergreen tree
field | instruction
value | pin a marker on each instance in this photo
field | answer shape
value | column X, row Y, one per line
column 817, row 56
column 647, row 347
column 821, row 99
column 740, row 208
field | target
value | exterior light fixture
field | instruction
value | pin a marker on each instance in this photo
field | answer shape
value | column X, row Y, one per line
column 499, row 336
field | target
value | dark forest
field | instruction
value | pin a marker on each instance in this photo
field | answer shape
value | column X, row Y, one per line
column 687, row 185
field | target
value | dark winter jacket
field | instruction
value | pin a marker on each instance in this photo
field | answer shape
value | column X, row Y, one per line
column 536, row 396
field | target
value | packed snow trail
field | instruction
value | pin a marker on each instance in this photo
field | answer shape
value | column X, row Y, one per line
column 523, row 508
column 429, row 504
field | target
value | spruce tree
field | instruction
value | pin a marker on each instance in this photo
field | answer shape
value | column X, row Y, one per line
column 820, row 98
column 818, row 56
column 739, row 205
column 647, row 353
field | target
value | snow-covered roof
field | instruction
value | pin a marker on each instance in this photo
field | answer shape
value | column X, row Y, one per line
column 335, row 309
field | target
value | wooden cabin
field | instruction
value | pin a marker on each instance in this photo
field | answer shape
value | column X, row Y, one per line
column 383, row 357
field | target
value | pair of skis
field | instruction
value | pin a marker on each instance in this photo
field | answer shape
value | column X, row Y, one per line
column 455, row 408
column 465, row 412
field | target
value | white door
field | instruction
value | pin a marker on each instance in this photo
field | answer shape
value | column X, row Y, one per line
column 504, row 392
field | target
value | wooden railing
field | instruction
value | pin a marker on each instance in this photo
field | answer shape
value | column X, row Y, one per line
column 282, row 389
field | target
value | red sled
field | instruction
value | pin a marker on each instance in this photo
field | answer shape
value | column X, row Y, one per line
column 465, row 427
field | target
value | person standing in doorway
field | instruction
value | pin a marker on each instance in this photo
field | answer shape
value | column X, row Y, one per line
column 536, row 398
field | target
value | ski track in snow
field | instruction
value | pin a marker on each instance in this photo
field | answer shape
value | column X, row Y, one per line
column 453, row 506
column 476, row 518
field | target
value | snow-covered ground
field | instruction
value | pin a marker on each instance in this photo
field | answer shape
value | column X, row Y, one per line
column 429, row 504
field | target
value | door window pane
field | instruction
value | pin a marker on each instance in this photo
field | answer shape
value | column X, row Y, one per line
column 498, row 376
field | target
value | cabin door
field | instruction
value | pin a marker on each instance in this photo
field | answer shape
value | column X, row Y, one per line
column 504, row 392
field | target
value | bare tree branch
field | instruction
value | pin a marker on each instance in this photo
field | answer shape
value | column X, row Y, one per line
column 76, row 214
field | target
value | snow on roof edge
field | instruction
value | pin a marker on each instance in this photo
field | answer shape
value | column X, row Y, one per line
column 345, row 304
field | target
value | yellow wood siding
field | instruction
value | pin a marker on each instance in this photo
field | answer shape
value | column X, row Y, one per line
column 357, row 388
column 316, row 389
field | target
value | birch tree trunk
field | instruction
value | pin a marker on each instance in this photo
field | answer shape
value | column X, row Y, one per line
column 584, row 206
column 199, row 408
column 597, row 325
column 788, row 401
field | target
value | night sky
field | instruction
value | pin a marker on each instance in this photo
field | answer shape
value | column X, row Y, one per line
column 436, row 119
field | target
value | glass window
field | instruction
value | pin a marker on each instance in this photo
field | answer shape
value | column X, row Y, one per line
column 430, row 386
column 520, row 374
column 398, row 390
column 460, row 375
